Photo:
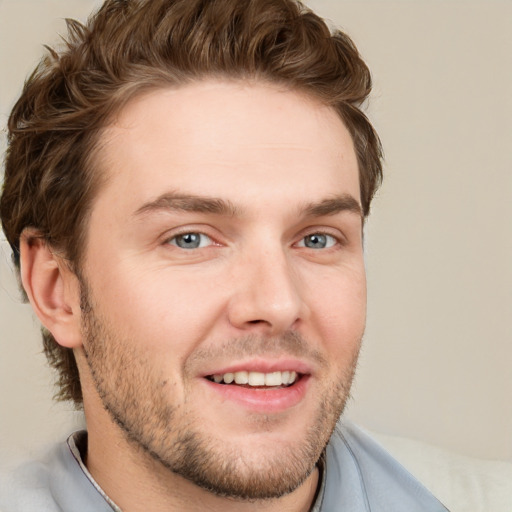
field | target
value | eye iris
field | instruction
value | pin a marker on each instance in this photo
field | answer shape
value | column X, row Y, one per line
column 316, row 241
column 188, row 240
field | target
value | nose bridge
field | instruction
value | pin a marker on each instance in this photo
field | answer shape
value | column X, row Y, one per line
column 267, row 293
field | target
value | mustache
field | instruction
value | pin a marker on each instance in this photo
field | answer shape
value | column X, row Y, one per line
column 288, row 344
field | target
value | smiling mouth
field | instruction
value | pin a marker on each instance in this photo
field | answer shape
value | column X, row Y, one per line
column 257, row 379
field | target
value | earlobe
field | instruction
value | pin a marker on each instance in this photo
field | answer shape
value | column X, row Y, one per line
column 52, row 288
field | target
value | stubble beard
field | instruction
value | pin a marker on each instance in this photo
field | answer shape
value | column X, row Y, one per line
column 138, row 402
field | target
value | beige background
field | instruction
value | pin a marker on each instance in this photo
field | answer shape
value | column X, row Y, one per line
column 438, row 348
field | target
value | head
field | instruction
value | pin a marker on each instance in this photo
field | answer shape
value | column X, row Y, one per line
column 64, row 156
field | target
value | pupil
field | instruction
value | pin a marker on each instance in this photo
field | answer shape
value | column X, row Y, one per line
column 188, row 240
column 316, row 241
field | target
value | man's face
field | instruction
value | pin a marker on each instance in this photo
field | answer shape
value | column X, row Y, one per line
column 226, row 244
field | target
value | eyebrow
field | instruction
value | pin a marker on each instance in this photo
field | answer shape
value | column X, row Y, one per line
column 203, row 204
column 334, row 205
column 189, row 203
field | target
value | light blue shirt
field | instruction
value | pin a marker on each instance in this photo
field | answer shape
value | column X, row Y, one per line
column 358, row 476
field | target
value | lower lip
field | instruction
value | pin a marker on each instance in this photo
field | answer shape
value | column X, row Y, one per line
column 263, row 400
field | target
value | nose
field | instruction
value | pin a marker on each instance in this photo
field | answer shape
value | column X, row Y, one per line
column 266, row 296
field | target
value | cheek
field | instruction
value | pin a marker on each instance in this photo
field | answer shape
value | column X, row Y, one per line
column 339, row 309
column 164, row 310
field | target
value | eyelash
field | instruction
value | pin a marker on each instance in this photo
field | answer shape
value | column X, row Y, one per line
column 170, row 240
column 336, row 239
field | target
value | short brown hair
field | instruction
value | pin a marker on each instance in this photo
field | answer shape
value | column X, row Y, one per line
column 130, row 46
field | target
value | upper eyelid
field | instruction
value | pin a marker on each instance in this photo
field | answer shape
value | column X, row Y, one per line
column 179, row 231
column 336, row 233
column 337, row 239
column 176, row 235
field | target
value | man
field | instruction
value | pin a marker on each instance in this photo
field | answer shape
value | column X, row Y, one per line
column 185, row 190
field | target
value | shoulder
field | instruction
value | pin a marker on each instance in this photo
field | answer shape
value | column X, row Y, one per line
column 465, row 483
column 58, row 481
column 361, row 475
column 26, row 489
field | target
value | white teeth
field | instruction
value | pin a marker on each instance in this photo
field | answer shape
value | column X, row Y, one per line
column 274, row 379
column 241, row 377
column 257, row 379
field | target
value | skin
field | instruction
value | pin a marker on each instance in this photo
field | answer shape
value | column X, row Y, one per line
column 151, row 319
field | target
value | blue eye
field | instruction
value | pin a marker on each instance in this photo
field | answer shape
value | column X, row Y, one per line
column 317, row 241
column 191, row 240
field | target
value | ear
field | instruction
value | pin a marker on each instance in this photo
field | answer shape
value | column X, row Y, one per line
column 52, row 288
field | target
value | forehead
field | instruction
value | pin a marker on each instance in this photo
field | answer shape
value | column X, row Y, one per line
column 237, row 140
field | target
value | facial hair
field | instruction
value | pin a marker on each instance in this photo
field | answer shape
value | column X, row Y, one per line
column 140, row 402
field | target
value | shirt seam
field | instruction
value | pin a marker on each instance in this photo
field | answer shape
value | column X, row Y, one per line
column 358, row 469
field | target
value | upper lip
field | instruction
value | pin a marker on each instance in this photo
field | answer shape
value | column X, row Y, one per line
column 263, row 366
